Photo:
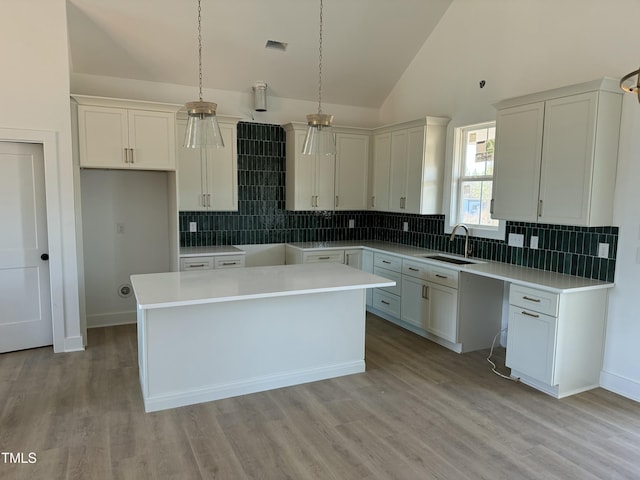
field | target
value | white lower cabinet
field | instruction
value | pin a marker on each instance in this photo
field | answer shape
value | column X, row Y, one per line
column 555, row 341
column 329, row 256
column 211, row 262
column 353, row 258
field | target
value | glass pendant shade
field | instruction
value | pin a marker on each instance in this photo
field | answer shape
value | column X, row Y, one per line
column 202, row 127
column 320, row 139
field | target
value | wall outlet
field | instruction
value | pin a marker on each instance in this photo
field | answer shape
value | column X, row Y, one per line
column 603, row 250
column 533, row 243
column 352, row 223
column 405, row 226
column 516, row 240
column 193, row 227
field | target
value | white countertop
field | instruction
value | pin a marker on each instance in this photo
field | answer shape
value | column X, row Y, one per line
column 173, row 289
column 211, row 250
column 549, row 281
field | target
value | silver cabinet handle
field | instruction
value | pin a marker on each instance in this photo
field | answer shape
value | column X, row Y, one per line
column 126, row 155
column 324, row 258
column 540, row 208
column 441, row 276
column 196, row 265
column 228, row 263
column 131, row 149
column 337, row 200
column 491, row 207
column 386, row 261
column 373, row 201
column 530, row 314
column 537, row 300
column 385, row 302
column 413, row 269
column 208, row 199
column 204, row 200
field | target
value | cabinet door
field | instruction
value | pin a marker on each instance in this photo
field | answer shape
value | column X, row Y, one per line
column 152, row 140
column 398, row 171
column 443, row 311
column 325, row 182
column 222, row 172
column 192, row 173
column 352, row 161
column 300, row 173
column 567, row 159
column 381, row 171
column 531, row 344
column 414, row 303
column 103, row 137
column 518, row 154
column 415, row 174
column 353, row 258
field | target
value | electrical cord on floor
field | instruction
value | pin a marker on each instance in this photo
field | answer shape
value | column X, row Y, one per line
column 493, row 365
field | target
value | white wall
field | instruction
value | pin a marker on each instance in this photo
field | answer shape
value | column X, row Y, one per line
column 524, row 46
column 239, row 104
column 34, row 99
column 138, row 203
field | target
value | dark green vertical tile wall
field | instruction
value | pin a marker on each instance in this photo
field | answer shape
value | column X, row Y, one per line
column 262, row 218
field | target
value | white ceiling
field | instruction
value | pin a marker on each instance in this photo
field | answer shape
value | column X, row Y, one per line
column 367, row 44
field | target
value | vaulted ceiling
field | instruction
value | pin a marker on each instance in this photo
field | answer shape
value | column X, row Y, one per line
column 367, row 44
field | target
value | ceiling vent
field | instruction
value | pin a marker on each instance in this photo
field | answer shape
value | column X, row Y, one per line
column 275, row 45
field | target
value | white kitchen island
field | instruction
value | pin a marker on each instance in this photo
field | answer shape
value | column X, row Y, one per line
column 214, row 334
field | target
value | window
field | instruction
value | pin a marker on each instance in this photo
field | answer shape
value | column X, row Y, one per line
column 472, row 180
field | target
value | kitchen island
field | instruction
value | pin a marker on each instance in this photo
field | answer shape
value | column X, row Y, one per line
column 207, row 335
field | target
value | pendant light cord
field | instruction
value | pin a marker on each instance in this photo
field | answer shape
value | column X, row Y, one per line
column 319, row 65
column 200, row 48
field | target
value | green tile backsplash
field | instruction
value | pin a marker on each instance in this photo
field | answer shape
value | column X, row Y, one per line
column 262, row 218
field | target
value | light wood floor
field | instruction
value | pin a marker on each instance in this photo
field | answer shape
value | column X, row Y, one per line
column 419, row 412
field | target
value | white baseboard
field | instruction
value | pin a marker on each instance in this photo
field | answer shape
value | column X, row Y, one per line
column 621, row 385
column 261, row 384
column 110, row 319
column 73, row 344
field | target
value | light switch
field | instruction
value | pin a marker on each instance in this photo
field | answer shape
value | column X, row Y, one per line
column 405, row 226
column 193, row 227
column 516, row 240
column 352, row 223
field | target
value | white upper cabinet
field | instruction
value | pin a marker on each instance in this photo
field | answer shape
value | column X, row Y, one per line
column 309, row 178
column 208, row 178
column 123, row 134
column 408, row 166
column 556, row 155
column 352, row 167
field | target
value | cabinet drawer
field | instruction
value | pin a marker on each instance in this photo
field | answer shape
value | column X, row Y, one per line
column 390, row 262
column 443, row 276
column 386, row 302
column 229, row 261
column 415, row 269
column 196, row 263
column 391, row 275
column 331, row 256
column 533, row 299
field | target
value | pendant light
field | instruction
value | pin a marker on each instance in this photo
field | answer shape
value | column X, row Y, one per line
column 202, row 128
column 319, row 139
column 633, row 89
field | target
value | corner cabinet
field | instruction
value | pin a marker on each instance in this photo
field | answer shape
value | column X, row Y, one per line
column 327, row 182
column 124, row 134
column 408, row 166
column 556, row 155
column 208, row 178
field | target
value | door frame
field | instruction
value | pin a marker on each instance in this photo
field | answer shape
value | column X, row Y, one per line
column 49, row 142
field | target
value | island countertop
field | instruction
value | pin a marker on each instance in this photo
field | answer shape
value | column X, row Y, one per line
column 173, row 289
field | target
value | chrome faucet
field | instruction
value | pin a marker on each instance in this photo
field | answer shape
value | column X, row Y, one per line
column 467, row 247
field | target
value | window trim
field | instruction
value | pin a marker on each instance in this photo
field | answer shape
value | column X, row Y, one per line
column 453, row 186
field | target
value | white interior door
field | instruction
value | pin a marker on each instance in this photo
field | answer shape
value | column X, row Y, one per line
column 25, row 296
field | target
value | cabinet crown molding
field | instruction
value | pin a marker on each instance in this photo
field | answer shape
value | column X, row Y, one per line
column 125, row 103
column 605, row 84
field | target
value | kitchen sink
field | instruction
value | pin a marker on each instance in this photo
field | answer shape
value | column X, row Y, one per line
column 450, row 259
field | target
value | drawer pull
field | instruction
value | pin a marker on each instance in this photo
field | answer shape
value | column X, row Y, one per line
column 413, row 269
column 441, row 276
column 324, row 258
column 196, row 265
column 386, row 261
column 425, row 292
column 229, row 263
column 530, row 314
column 385, row 302
column 537, row 300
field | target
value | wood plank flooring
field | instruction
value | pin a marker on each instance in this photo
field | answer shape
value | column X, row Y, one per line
column 418, row 412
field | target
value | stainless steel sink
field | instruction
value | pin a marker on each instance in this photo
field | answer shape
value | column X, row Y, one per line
column 450, row 259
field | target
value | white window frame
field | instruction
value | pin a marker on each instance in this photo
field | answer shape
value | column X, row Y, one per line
column 452, row 196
